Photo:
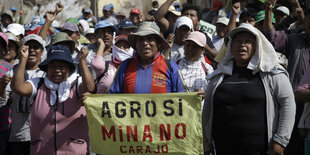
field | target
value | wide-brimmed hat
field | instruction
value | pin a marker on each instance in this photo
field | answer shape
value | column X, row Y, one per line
column 62, row 37
column 148, row 28
column 58, row 52
column 174, row 11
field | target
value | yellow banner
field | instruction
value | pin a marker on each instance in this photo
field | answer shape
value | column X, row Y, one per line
column 145, row 123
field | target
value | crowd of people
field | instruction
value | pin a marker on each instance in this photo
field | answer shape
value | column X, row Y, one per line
column 253, row 74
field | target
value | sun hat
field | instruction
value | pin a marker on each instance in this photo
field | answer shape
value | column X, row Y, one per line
column 126, row 24
column 34, row 37
column 104, row 24
column 70, row 26
column 72, row 20
column 5, row 38
column 284, row 10
column 16, row 29
column 174, row 11
column 148, row 28
column 261, row 16
column 62, row 37
column 135, row 10
column 58, row 52
column 197, row 37
column 13, row 38
column 222, row 20
column 216, row 4
column 106, row 8
column 183, row 21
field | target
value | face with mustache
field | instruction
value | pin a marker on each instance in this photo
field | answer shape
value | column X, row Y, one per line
column 243, row 48
column 146, row 47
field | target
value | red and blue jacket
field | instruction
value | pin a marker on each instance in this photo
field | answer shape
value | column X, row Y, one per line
column 132, row 77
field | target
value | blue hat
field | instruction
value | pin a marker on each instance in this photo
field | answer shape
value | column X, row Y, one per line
column 37, row 20
column 106, row 8
column 126, row 24
column 57, row 52
column 13, row 8
column 104, row 24
column 111, row 5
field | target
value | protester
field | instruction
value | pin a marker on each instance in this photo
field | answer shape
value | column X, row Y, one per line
column 183, row 27
column 4, row 108
column 193, row 66
column 221, row 28
column 20, row 128
column 120, row 17
column 148, row 72
column 126, row 27
column 6, row 19
column 281, row 13
column 90, row 35
column 105, row 70
column 136, row 17
column 57, row 102
column 107, row 15
column 249, row 94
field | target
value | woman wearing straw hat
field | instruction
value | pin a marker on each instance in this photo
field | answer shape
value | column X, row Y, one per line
column 148, row 72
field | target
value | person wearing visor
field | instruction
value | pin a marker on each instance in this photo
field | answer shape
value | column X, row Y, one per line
column 57, row 102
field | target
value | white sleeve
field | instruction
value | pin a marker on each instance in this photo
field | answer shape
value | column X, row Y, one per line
column 34, row 82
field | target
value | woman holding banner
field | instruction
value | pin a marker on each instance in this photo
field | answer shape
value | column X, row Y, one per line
column 58, row 119
column 250, row 106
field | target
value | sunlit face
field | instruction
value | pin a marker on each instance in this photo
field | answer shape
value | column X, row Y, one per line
column 106, row 34
column 192, row 14
column 146, row 47
column 181, row 34
column 12, row 52
column 220, row 30
column 243, row 48
column 58, row 71
column 192, row 51
column 35, row 52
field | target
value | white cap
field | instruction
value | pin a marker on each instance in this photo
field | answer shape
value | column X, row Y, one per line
column 84, row 24
column 174, row 11
column 183, row 21
column 223, row 20
column 90, row 30
column 284, row 10
column 16, row 29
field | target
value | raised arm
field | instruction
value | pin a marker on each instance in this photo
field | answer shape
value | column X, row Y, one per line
column 87, row 84
column 18, row 84
column 268, row 11
column 161, row 21
column 236, row 8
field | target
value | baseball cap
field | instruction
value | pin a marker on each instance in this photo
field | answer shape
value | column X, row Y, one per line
column 172, row 10
column 5, row 38
column 70, row 26
column 126, row 24
column 104, row 24
column 89, row 31
column 111, row 5
column 197, row 37
column 13, row 8
column 223, row 20
column 284, row 10
column 34, row 37
column 16, row 29
column 216, row 4
column 88, row 11
column 106, row 8
column 183, row 21
column 135, row 10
